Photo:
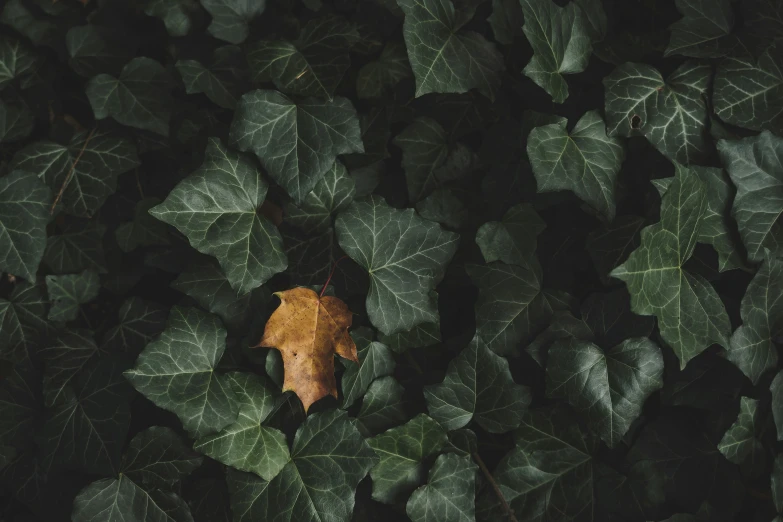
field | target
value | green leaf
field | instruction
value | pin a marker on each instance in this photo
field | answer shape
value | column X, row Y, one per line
column 7, row 454
column 776, row 387
column 177, row 372
column 92, row 50
column 309, row 135
column 702, row 30
column 246, row 445
column 144, row 230
column 749, row 92
column 138, row 98
column 402, row 452
column 444, row 207
column 425, row 334
column 87, row 168
column 561, row 44
column 449, row 493
column 610, row 245
column 375, row 360
column 87, row 429
column 776, row 482
column 671, row 114
column 175, row 14
column 313, row 65
column 382, row 406
column 23, row 321
column 69, row 291
column 752, row 347
column 328, row 460
column 332, row 194
column 216, row 207
column 584, row 161
column 16, row 121
column 140, row 321
column 608, row 387
column 64, row 357
column 548, row 475
column 207, row 285
column 158, row 457
column 510, row 304
column 691, row 316
column 512, row 240
column 506, row 20
column 380, row 76
column 76, row 249
column 19, row 63
column 445, row 58
column 478, row 386
column 24, row 212
column 16, row 15
column 218, row 79
column 20, row 404
column 740, row 444
column 230, row 18
column 752, row 164
column 405, row 255
column 429, row 159
column 122, row 500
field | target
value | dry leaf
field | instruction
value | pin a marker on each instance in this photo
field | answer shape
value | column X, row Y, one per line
column 309, row 329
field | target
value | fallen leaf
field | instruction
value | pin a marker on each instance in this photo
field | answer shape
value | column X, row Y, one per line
column 308, row 330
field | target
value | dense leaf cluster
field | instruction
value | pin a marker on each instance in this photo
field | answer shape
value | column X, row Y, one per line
column 557, row 225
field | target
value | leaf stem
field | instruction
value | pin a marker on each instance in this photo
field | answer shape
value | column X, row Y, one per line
column 70, row 172
column 498, row 493
column 334, row 267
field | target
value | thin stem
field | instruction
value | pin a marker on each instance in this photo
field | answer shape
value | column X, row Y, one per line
column 334, row 267
column 498, row 493
column 70, row 172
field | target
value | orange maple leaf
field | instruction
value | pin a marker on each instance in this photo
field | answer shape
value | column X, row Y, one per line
column 308, row 330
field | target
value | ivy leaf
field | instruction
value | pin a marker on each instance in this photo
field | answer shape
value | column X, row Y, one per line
column 382, row 406
column 332, row 194
column 144, row 230
column 139, row 322
column 510, row 304
column 428, row 158
column 64, row 357
column 158, row 457
column 23, row 321
column 478, row 386
column 230, row 18
column 549, row 472
column 443, row 57
column 671, row 114
column 449, row 494
column 177, row 372
column 328, row 460
column 425, row 334
column 584, row 161
column 776, row 387
column 561, row 44
column 506, row 19
column 207, row 285
column 313, row 65
column 24, row 212
column 218, row 79
column 512, row 240
column 176, row 14
column 444, row 207
column 92, row 51
column 69, row 291
column 18, row 16
column 608, row 387
column 610, row 245
column 740, row 443
column 94, row 160
column 16, row 121
column 748, row 92
column 19, row 63
column 87, row 430
column 690, row 314
column 246, row 444
column 406, row 257
column 752, row 164
column 76, row 249
column 380, row 76
column 375, row 361
column 752, row 347
column 702, row 30
column 309, row 135
column 20, row 402
column 122, row 500
column 139, row 97
column 216, row 207
column 402, row 451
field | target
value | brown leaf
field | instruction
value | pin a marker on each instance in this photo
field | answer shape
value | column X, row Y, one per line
column 308, row 330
